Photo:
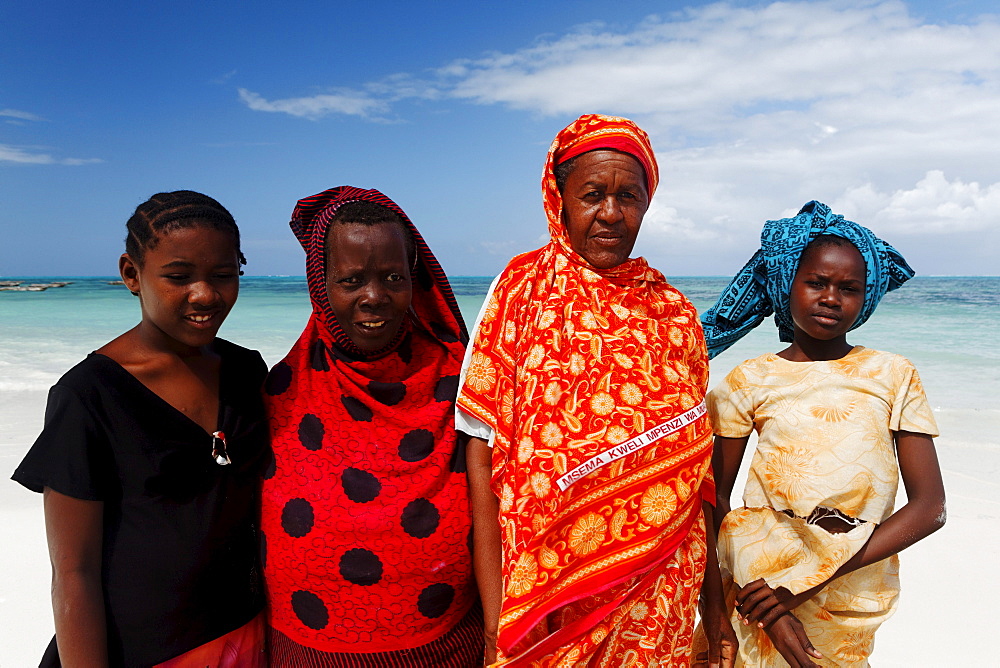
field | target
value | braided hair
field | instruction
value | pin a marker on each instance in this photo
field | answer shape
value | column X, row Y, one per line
column 164, row 212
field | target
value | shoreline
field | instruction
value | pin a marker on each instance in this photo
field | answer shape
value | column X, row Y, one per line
column 943, row 611
column 955, row 615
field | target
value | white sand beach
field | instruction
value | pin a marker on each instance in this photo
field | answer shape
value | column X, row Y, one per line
column 948, row 583
column 949, row 587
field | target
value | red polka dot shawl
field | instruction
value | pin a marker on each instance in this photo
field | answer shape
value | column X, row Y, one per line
column 365, row 512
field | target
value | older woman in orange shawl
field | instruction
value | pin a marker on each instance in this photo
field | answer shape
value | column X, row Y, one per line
column 587, row 377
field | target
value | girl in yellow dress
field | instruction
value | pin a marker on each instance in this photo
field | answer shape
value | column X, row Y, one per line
column 810, row 560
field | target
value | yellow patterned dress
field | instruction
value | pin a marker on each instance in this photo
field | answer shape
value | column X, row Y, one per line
column 825, row 441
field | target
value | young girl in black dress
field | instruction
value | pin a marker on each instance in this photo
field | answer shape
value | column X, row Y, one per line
column 149, row 463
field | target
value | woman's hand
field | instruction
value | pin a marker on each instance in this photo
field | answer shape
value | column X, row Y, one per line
column 791, row 641
column 490, row 657
column 486, row 543
column 723, row 645
column 722, row 641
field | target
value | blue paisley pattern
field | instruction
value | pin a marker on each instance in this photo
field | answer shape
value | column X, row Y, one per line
column 762, row 287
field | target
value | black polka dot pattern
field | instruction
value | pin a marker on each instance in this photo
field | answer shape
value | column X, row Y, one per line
column 420, row 518
column 435, row 599
column 310, row 609
column 389, row 394
column 297, row 518
column 356, row 409
column 405, row 349
column 361, row 567
column 311, row 432
column 360, row 486
column 416, row 445
column 279, row 379
column 318, row 358
column 446, row 388
column 443, row 333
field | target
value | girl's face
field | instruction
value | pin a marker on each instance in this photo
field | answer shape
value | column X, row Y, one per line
column 828, row 292
column 187, row 284
column 368, row 281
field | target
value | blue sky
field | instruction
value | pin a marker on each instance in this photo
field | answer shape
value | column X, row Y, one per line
column 887, row 111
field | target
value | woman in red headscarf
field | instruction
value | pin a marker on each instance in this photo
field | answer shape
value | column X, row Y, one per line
column 584, row 394
column 365, row 512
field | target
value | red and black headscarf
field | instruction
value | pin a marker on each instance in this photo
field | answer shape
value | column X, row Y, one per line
column 365, row 514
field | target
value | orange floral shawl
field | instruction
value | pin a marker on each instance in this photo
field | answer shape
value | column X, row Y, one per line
column 571, row 361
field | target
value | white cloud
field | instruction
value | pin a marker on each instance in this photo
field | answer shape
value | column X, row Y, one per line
column 934, row 205
column 34, row 157
column 20, row 115
column 753, row 111
column 351, row 103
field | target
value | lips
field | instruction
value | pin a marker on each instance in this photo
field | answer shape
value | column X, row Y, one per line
column 202, row 320
column 372, row 325
column 607, row 240
column 825, row 318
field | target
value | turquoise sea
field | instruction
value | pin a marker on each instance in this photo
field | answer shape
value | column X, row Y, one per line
column 944, row 325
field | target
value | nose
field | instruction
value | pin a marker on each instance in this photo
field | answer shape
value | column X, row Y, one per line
column 830, row 297
column 373, row 295
column 203, row 293
column 611, row 211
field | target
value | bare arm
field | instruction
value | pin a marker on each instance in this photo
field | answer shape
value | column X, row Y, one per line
column 74, row 529
column 486, row 552
column 786, row 631
column 726, row 458
column 923, row 514
column 722, row 641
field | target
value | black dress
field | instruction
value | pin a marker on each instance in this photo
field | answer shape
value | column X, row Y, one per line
column 180, row 555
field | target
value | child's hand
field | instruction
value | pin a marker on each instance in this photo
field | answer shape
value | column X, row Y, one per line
column 792, row 643
column 757, row 603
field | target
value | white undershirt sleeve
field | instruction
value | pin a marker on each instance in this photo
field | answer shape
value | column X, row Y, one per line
column 464, row 422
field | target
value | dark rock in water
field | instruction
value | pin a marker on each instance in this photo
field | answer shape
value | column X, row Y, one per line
column 15, row 286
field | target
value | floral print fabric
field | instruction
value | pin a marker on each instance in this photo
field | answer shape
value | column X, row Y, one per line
column 568, row 362
column 824, row 441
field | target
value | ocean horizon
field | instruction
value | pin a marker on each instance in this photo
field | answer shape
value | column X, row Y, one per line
column 937, row 322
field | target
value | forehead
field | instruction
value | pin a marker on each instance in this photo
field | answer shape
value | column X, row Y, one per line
column 825, row 257
column 192, row 233
column 604, row 163
column 353, row 241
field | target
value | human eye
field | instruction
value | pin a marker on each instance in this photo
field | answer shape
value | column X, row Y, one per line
column 394, row 277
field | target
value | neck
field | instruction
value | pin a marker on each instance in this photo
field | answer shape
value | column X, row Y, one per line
column 804, row 348
column 154, row 341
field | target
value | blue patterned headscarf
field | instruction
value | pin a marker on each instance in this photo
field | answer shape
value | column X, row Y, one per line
column 762, row 287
